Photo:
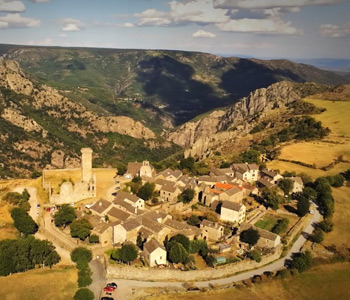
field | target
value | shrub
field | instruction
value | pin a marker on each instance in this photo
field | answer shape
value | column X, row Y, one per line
column 128, row 253
column 84, row 277
column 84, row 294
column 183, row 240
column 94, row 239
column 281, row 226
column 80, row 228
column 193, row 220
column 317, row 236
column 302, row 261
column 303, row 206
column 255, row 255
column 186, row 196
column 81, row 254
column 326, row 225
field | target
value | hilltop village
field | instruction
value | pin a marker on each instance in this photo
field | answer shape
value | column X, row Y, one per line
column 153, row 207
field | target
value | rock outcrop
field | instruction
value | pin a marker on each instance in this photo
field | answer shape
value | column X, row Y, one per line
column 220, row 126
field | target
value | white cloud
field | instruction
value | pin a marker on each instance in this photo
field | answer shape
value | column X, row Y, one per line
column 196, row 11
column 12, row 6
column 39, row 1
column 128, row 25
column 44, row 42
column 335, row 31
column 253, row 4
column 269, row 26
column 17, row 21
column 203, row 34
column 63, row 35
column 70, row 24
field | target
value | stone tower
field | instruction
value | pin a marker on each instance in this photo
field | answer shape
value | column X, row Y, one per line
column 86, row 164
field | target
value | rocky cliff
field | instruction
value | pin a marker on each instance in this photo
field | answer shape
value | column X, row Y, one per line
column 222, row 126
column 40, row 127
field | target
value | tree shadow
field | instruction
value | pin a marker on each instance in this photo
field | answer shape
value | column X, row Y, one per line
column 171, row 81
column 290, row 209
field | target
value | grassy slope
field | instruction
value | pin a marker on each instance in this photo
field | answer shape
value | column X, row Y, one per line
column 56, row 284
column 325, row 282
column 321, row 153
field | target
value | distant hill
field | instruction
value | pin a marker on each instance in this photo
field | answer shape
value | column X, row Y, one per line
column 333, row 64
column 159, row 88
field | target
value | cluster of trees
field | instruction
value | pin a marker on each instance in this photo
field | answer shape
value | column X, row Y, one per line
column 179, row 247
column 193, row 220
column 186, row 196
column 20, row 199
column 25, row 254
column 126, row 254
column 255, row 255
column 271, row 197
column 82, row 256
column 286, row 185
column 23, row 222
column 301, row 261
column 146, row 191
column 190, row 165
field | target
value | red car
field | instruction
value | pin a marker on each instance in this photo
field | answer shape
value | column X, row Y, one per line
column 108, row 289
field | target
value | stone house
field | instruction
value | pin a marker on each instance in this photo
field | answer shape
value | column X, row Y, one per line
column 214, row 230
column 169, row 192
column 298, row 184
column 169, row 175
column 234, row 194
column 100, row 207
column 155, row 253
column 271, row 176
column 128, row 202
column 232, row 212
column 116, row 214
column 246, row 172
column 267, row 239
column 144, row 169
column 104, row 231
column 127, row 231
column 220, row 172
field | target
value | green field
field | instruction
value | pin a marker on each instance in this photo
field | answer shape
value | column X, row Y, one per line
column 267, row 222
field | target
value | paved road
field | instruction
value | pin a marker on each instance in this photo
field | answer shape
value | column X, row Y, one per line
column 125, row 287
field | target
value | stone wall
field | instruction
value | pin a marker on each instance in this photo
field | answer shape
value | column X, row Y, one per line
column 135, row 273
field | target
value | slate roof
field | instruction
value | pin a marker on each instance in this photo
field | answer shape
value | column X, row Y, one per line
column 269, row 173
column 297, row 179
column 100, row 206
column 233, row 191
column 263, row 233
column 208, row 223
column 134, row 167
column 231, row 205
column 118, row 214
column 265, row 182
column 152, row 245
column 121, row 195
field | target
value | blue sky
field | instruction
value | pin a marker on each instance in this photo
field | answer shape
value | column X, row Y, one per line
column 259, row 28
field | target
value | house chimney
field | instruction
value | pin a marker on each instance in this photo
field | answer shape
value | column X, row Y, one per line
column 100, row 204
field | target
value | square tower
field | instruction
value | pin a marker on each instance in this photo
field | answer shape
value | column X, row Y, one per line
column 86, row 164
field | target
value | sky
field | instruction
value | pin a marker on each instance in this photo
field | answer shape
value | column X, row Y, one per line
column 258, row 28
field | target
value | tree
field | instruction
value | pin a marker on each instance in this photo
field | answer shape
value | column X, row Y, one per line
column 286, row 185
column 193, row 220
column 52, row 259
column 128, row 253
column 271, row 197
column 81, row 254
column 64, row 216
column 326, row 225
column 250, row 236
column 137, row 179
column 209, row 260
column 187, row 163
column 146, row 191
column 178, row 254
column 303, row 206
column 186, row 196
column 301, row 261
column 255, row 255
column 80, row 228
column 84, row 294
column 250, row 156
column 121, row 168
column 199, row 246
column 182, row 239
column 338, row 180
column 116, row 254
column 310, row 193
column 305, row 178
column 94, row 239
column 139, row 241
column 317, row 236
column 23, row 222
column 346, row 174
column 84, row 276
column 281, row 226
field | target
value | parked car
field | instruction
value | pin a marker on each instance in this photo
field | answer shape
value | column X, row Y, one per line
column 112, row 284
column 108, row 289
column 107, row 298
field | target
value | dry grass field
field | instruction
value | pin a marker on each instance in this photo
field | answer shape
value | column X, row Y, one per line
column 56, row 284
column 340, row 236
column 325, row 282
column 321, row 153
